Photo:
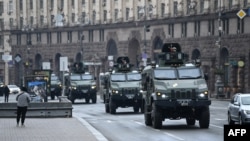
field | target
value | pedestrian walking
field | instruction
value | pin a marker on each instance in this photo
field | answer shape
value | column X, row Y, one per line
column 6, row 92
column 23, row 100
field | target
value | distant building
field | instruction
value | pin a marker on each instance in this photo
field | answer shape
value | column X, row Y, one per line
column 37, row 31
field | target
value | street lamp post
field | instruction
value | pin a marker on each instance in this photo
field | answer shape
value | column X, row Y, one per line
column 146, row 28
column 28, row 29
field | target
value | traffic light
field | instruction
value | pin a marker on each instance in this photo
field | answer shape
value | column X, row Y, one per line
column 147, row 28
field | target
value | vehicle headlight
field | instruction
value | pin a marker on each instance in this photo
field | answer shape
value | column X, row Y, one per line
column 115, row 91
column 203, row 94
column 246, row 112
column 73, row 87
column 93, row 86
column 162, row 95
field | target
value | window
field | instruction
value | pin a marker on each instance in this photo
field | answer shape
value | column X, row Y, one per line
column 83, row 2
column 171, row 30
column 1, row 8
column 211, row 27
column 1, row 40
column 41, row 19
column 94, row 17
column 91, row 35
column 230, row 4
column 49, row 37
column 188, row 8
column 240, row 25
column 19, row 37
column 80, row 36
column 83, row 17
column 11, row 23
column 38, row 37
column 162, row 9
column 73, row 17
column 184, row 29
column 52, row 19
column 10, row 6
column 73, row 3
column 197, row 28
column 175, row 8
column 116, row 14
column 1, row 24
column 225, row 23
column 127, row 14
column 216, row 5
column 21, row 22
column 105, row 15
column 245, row 3
column 31, row 20
column 70, row 37
column 31, row 4
column 41, row 4
column 202, row 4
column 21, row 5
column 101, row 32
column 62, row 4
column 59, row 37
column 93, row 1
column 51, row 4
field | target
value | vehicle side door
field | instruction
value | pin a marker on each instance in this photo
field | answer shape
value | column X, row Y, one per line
column 235, row 107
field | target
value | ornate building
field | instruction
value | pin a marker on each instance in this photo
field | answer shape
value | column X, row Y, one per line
column 37, row 31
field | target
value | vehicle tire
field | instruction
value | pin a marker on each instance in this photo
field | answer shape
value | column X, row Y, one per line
column 112, row 107
column 87, row 100
column 190, row 121
column 156, row 117
column 107, row 108
column 52, row 96
column 94, row 99
column 230, row 121
column 240, row 120
column 204, row 118
column 136, row 108
column 147, row 116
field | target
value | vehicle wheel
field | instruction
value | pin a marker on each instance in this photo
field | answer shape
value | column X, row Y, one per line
column 190, row 121
column 94, row 99
column 136, row 108
column 240, row 120
column 112, row 107
column 204, row 118
column 230, row 121
column 52, row 96
column 147, row 116
column 107, row 108
column 87, row 100
column 156, row 117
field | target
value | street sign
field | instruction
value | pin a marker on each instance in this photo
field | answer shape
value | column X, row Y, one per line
column 18, row 58
column 63, row 63
column 241, row 14
column 46, row 65
column 6, row 57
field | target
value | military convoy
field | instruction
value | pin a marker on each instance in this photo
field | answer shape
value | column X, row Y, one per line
column 122, row 87
column 175, row 89
column 80, row 84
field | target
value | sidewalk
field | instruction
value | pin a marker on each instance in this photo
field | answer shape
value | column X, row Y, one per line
column 48, row 129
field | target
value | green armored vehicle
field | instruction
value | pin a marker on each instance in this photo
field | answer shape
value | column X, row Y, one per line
column 123, row 87
column 80, row 84
column 175, row 90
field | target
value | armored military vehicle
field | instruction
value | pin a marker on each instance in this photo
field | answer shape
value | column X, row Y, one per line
column 55, row 86
column 80, row 84
column 175, row 89
column 123, row 87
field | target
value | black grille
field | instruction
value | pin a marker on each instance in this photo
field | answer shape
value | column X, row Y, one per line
column 129, row 91
column 189, row 94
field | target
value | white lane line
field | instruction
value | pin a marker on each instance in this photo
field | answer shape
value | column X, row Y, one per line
column 216, row 126
column 173, row 136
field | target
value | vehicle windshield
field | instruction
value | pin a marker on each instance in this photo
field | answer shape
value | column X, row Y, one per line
column 133, row 76
column 75, row 77
column 118, row 77
column 165, row 74
column 54, row 78
column 87, row 77
column 245, row 100
column 187, row 73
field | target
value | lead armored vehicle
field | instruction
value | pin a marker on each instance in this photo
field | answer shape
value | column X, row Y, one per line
column 123, row 87
column 175, row 89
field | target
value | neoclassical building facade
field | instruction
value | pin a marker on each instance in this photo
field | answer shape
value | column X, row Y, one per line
column 36, row 31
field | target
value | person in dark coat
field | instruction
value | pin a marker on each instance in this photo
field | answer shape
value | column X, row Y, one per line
column 6, row 92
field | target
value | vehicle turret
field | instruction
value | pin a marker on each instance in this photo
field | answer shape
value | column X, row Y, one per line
column 122, row 64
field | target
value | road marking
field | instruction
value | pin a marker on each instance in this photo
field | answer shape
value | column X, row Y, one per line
column 173, row 136
column 216, row 126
